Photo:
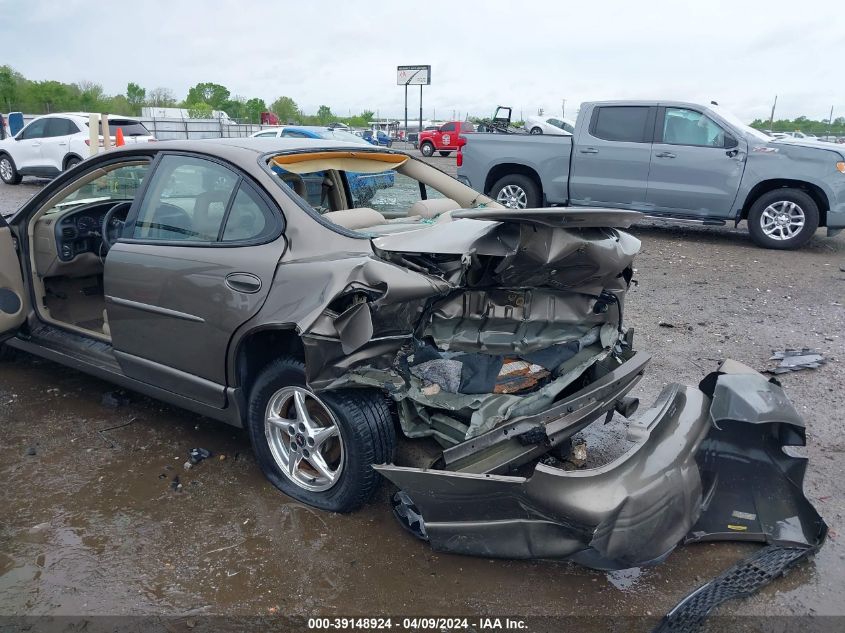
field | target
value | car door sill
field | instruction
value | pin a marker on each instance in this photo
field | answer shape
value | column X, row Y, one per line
column 58, row 346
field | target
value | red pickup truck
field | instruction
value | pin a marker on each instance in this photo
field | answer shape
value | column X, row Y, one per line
column 444, row 139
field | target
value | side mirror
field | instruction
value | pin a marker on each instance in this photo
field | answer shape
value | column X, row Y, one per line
column 730, row 142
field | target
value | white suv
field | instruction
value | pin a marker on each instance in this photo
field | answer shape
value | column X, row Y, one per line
column 53, row 143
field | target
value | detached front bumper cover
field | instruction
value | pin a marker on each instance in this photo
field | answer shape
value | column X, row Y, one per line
column 708, row 465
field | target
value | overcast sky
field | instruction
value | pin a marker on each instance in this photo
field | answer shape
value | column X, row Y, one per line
column 525, row 54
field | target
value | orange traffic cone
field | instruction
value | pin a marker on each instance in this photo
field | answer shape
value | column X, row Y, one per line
column 118, row 141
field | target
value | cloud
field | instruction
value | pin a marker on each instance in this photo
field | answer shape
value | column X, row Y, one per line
column 529, row 55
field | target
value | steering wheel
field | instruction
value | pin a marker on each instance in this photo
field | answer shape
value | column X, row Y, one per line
column 112, row 227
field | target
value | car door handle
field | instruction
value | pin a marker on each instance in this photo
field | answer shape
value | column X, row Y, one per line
column 243, row 282
column 36, row 144
column 589, row 150
column 664, row 155
column 62, row 144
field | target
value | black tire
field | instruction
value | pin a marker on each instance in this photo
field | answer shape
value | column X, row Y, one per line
column 536, row 130
column 445, row 153
column 774, row 199
column 72, row 162
column 427, row 149
column 8, row 171
column 366, row 426
column 528, row 185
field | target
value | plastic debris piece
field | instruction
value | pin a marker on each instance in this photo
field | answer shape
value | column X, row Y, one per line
column 517, row 375
column 198, row 454
column 796, row 360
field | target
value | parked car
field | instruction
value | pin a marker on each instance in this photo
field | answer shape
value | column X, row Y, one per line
column 195, row 273
column 53, row 143
column 445, row 138
column 363, row 185
column 378, row 137
column 672, row 160
column 548, row 125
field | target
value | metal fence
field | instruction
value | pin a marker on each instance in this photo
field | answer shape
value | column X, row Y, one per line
column 190, row 129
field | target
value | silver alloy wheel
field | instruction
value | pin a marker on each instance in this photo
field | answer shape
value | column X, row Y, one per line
column 513, row 197
column 6, row 169
column 782, row 220
column 304, row 438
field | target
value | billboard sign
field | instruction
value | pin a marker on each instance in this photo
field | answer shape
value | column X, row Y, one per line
column 413, row 75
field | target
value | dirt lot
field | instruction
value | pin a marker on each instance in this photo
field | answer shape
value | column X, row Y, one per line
column 91, row 524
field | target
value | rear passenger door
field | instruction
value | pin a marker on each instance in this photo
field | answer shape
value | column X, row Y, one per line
column 611, row 157
column 55, row 145
column 196, row 260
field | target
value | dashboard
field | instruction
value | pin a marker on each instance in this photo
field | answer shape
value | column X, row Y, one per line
column 79, row 230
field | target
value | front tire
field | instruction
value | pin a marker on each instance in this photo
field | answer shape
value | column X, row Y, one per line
column 8, row 172
column 783, row 219
column 516, row 191
column 536, row 130
column 427, row 149
column 72, row 162
column 319, row 448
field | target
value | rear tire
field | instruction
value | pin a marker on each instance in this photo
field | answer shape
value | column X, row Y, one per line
column 365, row 435
column 445, row 153
column 72, row 162
column 783, row 219
column 427, row 149
column 516, row 191
column 8, row 172
column 536, row 130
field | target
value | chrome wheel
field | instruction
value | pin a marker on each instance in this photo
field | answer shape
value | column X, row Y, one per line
column 5, row 169
column 782, row 220
column 304, row 438
column 513, row 197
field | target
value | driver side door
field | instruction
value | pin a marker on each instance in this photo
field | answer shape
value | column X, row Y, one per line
column 27, row 150
column 13, row 297
column 696, row 165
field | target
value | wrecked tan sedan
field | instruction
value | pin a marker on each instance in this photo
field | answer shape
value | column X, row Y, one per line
column 416, row 331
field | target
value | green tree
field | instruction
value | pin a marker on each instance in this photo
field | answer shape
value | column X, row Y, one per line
column 50, row 96
column 324, row 114
column 254, row 107
column 10, row 82
column 91, row 97
column 213, row 94
column 286, row 109
column 199, row 111
column 135, row 95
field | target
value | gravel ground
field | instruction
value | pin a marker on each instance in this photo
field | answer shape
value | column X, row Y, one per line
column 92, row 526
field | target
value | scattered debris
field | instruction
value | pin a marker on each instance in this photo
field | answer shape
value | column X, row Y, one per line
column 197, row 455
column 796, row 360
column 176, row 484
column 578, row 455
column 666, row 324
column 187, row 465
column 112, row 443
column 685, row 326
column 221, row 457
column 31, row 451
column 115, row 399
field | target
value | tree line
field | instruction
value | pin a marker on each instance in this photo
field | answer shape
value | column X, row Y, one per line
column 802, row 124
column 19, row 94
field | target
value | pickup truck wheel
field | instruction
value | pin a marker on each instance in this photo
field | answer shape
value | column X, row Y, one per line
column 516, row 191
column 783, row 219
column 318, row 448
column 8, row 172
column 427, row 149
column 445, row 153
column 536, row 130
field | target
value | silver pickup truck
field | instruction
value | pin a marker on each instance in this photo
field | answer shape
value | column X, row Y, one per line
column 670, row 159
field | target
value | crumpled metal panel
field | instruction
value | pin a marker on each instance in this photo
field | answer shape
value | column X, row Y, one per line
column 685, row 480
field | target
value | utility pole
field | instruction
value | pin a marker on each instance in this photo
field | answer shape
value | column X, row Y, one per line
column 563, row 109
column 772, row 117
column 830, row 122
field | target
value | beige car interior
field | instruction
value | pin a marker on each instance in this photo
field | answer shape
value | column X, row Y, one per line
column 334, row 206
column 69, row 293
